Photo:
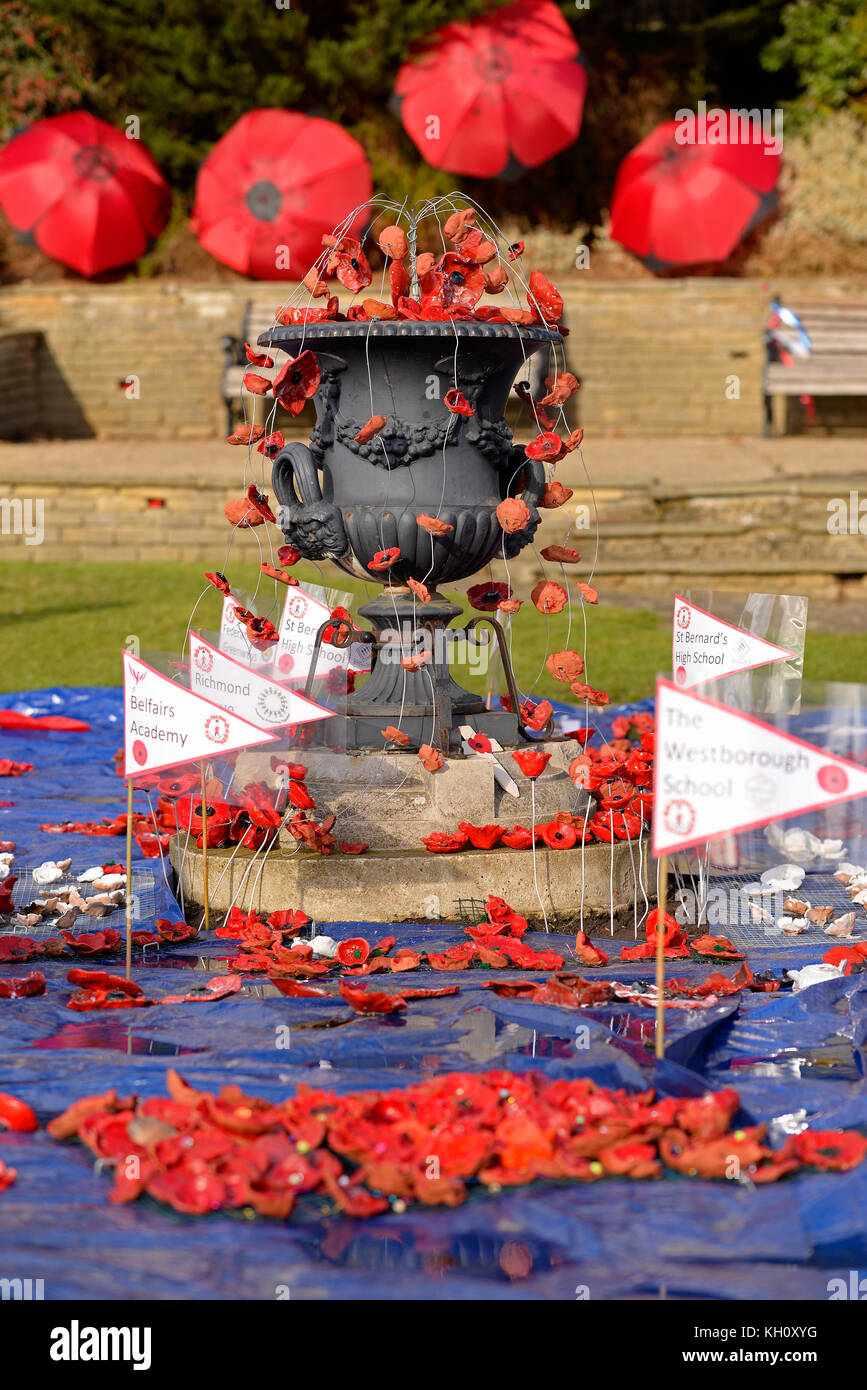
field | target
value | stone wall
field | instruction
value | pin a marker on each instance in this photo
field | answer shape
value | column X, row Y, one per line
column 655, row 357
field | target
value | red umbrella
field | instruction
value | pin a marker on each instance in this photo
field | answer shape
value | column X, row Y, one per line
column 492, row 96
column 278, row 179
column 83, row 192
column 687, row 204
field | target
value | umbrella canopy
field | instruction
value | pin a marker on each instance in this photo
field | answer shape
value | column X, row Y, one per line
column 278, row 179
column 82, row 192
column 680, row 204
column 493, row 96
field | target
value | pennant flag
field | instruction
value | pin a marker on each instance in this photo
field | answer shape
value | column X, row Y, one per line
column 303, row 615
column 165, row 724
column 218, row 677
column 235, row 642
column 704, row 648
column 719, row 772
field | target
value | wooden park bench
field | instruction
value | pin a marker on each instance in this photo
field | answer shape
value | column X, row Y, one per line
column 837, row 364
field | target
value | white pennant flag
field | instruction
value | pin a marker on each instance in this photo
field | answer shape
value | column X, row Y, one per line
column 165, row 724
column 218, row 677
column 235, row 642
column 303, row 615
column 704, row 648
column 717, row 771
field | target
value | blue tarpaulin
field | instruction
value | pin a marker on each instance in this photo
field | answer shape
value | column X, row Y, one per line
column 792, row 1057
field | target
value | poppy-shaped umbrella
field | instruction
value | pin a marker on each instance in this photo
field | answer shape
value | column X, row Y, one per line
column 271, row 186
column 679, row 204
column 490, row 97
column 82, row 192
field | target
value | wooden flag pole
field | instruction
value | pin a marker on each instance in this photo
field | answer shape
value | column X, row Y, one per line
column 129, row 881
column 661, row 896
column 205, row 850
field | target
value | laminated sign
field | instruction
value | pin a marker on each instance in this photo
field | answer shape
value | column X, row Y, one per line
column 235, row 642
column 165, row 724
column 718, row 771
column 704, row 647
column 303, row 615
column 235, row 686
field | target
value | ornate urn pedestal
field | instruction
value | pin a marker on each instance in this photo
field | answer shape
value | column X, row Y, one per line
column 345, row 501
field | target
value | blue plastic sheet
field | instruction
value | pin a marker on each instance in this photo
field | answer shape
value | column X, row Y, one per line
column 788, row 1055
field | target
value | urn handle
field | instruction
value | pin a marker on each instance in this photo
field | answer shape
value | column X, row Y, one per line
column 294, row 476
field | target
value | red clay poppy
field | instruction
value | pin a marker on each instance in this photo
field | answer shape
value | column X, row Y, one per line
column 431, row 758
column 547, row 446
column 544, row 299
column 348, row 262
column 513, row 515
column 246, row 434
column 271, row 446
column 257, row 385
column 440, row 843
column 561, row 385
column 531, row 761
column 587, row 592
column 371, row 428
column 598, row 698
column 6, row 886
column 574, row 440
column 510, row 605
column 297, row 381
column 242, row 513
column 554, row 495
column 718, row 946
column 219, row 581
column 829, row 1149
column 559, row 836
column 408, row 308
column 370, row 1003
column 496, row 279
column 455, row 401
column 282, row 576
column 16, row 1115
column 488, row 597
column 23, row 987
column 393, row 735
column 353, row 951
column 433, row 525
column 398, row 279
column 260, row 501
column 257, row 359
column 565, row 666
column 464, row 281
column 378, row 309
column 549, row 597
column 459, row 225
column 392, row 242
column 384, row 559
column 561, row 554
column 481, row 836
column 315, row 284
column 421, row 591
column 516, row 250
column 346, row 848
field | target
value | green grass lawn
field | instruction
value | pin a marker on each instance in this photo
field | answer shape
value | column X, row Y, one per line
column 66, row 624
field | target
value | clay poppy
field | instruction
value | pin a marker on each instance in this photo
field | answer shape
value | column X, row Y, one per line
column 543, row 298
column 297, row 381
column 561, row 385
column 408, row 308
column 536, row 716
column 459, row 224
column 16, row 1115
column 587, row 953
column 23, row 987
column 399, row 281
column 242, row 513
column 510, row 605
column 440, row 843
column 597, row 698
column 829, row 1149
column 549, row 597
column 518, row 837
column 431, row 758
column 384, row 559
column 433, row 525
column 496, row 279
column 9, row 768
column 257, row 385
column 559, row 836
column 488, row 597
column 348, row 262
column 246, row 434
column 393, row 735
column 561, row 554
column 464, row 280
column 421, row 591
column 587, row 592
column 565, row 666
column 220, row 582
column 287, row 555
column 455, row 401
column 513, row 515
column 217, row 987
column 260, row 502
column 368, row 430
column 353, row 951
column 318, row 287
column 516, row 250
column 257, row 359
column 282, row 576
column 392, row 242
column 6, row 886
column 574, row 440
column 481, row 836
column 271, row 446
column 370, row 1003
column 554, row 495
column 547, row 446
column 718, row 946
column 531, row 761
column 378, row 309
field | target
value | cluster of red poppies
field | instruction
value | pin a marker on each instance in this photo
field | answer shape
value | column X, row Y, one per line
column 371, row 1151
column 17, row 950
column 8, row 768
column 574, row 992
column 618, row 777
